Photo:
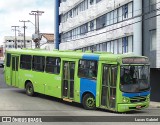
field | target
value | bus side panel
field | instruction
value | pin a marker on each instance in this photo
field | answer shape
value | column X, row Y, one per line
column 7, row 75
column 87, row 85
column 77, row 97
column 38, row 81
column 25, row 75
column 52, row 84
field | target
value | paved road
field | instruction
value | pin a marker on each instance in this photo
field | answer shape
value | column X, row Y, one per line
column 2, row 84
column 14, row 102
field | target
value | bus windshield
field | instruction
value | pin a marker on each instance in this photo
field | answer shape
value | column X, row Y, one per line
column 134, row 78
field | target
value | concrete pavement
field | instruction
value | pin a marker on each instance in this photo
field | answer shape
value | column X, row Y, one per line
column 154, row 104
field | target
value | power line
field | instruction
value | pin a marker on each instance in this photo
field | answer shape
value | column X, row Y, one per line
column 24, row 31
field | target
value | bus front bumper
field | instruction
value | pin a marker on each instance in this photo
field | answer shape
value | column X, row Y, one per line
column 132, row 106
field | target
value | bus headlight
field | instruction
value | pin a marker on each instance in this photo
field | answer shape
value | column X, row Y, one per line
column 125, row 100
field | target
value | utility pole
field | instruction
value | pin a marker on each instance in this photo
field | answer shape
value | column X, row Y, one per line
column 24, row 31
column 15, row 29
column 36, row 35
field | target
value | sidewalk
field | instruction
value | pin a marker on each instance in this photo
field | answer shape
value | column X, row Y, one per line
column 154, row 104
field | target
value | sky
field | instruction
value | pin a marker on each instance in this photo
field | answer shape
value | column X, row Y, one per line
column 11, row 11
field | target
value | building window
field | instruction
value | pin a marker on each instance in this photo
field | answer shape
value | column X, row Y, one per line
column 130, row 10
column 115, row 47
column 25, row 62
column 87, row 69
column 92, row 25
column 84, row 29
column 120, row 14
column 101, row 22
column 130, row 43
column 83, row 5
column 70, row 13
column 153, row 36
column 108, row 46
column 115, row 16
column 38, row 63
column 112, row 47
column 125, row 11
column 119, row 46
column 104, row 47
column 53, row 65
column 111, row 17
column 125, row 45
column 69, row 37
column 10, row 46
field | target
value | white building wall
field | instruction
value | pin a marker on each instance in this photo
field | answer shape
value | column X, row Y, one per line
column 92, row 38
column 91, row 13
column 123, row 29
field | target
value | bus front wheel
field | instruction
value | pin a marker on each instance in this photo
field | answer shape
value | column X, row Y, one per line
column 29, row 89
column 89, row 102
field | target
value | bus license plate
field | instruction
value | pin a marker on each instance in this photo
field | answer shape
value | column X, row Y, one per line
column 138, row 106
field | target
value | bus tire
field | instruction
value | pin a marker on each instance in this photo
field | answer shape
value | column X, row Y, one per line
column 89, row 102
column 29, row 89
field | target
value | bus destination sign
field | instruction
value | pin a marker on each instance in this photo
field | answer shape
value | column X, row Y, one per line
column 135, row 60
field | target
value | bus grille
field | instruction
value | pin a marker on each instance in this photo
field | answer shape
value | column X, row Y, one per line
column 137, row 99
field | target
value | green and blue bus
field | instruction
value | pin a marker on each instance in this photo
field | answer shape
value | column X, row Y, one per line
column 116, row 82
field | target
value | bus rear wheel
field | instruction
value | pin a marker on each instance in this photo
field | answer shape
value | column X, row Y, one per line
column 29, row 89
column 89, row 102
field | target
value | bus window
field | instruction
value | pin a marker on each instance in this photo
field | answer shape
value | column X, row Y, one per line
column 114, row 76
column 38, row 63
column 8, row 60
column 25, row 62
column 53, row 65
column 135, row 78
column 87, row 69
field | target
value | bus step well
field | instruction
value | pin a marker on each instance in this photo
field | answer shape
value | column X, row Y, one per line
column 68, row 100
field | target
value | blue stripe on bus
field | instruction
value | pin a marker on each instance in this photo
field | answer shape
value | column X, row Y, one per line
column 87, row 85
column 90, row 57
column 130, row 95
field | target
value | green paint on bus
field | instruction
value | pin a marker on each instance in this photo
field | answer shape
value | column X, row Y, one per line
column 117, row 82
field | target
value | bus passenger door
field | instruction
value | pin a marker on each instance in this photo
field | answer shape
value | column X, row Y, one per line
column 108, row 88
column 14, row 79
column 68, row 80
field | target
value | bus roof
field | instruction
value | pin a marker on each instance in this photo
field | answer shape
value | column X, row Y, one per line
column 74, row 54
